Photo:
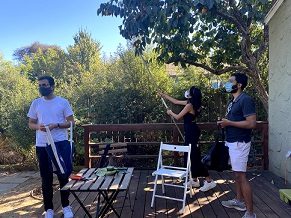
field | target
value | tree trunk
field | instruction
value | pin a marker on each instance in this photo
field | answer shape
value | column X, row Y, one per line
column 252, row 64
column 260, row 89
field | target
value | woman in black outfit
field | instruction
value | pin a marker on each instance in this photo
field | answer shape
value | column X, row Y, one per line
column 192, row 133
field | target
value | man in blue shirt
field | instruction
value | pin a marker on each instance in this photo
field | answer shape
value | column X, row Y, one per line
column 239, row 122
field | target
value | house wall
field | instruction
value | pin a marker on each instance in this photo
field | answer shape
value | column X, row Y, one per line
column 280, row 90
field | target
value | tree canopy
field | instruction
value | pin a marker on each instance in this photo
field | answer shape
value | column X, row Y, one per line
column 218, row 36
column 29, row 50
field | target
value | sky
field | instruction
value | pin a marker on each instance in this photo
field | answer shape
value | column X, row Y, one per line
column 55, row 22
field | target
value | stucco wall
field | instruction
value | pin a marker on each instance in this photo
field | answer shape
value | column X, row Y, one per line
column 280, row 90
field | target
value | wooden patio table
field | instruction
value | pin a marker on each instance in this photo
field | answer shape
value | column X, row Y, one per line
column 107, row 186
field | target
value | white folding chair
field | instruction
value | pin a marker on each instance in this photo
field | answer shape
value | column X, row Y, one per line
column 173, row 172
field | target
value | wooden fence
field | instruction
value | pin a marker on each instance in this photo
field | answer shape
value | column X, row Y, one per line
column 144, row 140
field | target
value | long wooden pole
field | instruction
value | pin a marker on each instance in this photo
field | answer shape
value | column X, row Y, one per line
column 156, row 86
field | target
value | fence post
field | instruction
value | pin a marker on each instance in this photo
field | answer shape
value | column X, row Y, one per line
column 86, row 145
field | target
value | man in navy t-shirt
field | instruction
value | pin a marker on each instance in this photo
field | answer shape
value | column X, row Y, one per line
column 239, row 122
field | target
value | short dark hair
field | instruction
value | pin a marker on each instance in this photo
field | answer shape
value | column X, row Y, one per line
column 241, row 78
column 49, row 78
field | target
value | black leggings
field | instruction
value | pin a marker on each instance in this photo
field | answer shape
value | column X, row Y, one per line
column 192, row 134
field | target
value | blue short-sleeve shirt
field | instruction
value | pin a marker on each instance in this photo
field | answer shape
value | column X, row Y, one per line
column 242, row 107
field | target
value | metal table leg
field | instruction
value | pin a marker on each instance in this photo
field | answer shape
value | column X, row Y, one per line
column 109, row 200
column 82, row 205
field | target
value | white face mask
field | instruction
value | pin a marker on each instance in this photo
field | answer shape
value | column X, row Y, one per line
column 186, row 94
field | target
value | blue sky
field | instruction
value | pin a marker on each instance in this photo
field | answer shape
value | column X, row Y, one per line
column 55, row 22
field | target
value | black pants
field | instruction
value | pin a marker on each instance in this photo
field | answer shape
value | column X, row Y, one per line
column 192, row 134
column 47, row 180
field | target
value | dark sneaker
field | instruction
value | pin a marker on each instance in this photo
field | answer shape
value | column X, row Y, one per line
column 236, row 204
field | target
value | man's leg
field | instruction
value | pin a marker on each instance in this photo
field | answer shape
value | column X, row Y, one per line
column 46, row 178
column 65, row 151
column 238, row 153
column 64, row 194
column 243, row 190
column 239, row 194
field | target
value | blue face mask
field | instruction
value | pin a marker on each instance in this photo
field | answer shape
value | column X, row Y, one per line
column 229, row 87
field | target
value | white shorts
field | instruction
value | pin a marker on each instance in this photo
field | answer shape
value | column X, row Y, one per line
column 239, row 153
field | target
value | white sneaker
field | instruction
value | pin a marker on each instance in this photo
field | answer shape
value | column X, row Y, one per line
column 247, row 215
column 195, row 184
column 67, row 211
column 49, row 214
column 207, row 186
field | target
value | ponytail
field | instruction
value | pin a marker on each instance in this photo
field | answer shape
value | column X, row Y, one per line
column 196, row 100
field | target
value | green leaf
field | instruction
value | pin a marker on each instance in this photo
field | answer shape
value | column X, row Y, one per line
column 148, row 10
column 155, row 9
column 210, row 3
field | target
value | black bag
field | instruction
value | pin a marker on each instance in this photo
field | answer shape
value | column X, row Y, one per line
column 217, row 157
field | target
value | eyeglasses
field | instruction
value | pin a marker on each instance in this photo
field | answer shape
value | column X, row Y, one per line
column 43, row 85
column 229, row 108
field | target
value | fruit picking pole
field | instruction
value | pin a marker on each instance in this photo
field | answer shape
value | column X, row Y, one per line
column 156, row 86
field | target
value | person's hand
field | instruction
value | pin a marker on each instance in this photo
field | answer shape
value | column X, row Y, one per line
column 224, row 123
column 160, row 94
column 52, row 126
column 169, row 112
column 41, row 127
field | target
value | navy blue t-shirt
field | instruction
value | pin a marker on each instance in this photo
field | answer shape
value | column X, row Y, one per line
column 242, row 107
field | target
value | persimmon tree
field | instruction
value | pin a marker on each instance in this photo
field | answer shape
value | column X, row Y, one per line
column 220, row 36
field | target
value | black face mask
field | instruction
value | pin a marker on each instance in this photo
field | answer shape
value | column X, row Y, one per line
column 45, row 91
column 234, row 88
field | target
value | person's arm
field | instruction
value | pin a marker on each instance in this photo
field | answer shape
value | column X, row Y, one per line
column 32, row 124
column 249, row 123
column 171, row 99
column 67, row 123
column 185, row 110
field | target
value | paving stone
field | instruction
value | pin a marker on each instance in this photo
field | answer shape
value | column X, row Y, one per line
column 9, row 180
column 30, row 174
column 6, row 187
column 12, row 180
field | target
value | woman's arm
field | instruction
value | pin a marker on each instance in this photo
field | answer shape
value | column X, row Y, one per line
column 173, row 100
column 188, row 108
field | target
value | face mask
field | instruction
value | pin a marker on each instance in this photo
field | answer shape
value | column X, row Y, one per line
column 186, row 94
column 229, row 87
column 45, row 91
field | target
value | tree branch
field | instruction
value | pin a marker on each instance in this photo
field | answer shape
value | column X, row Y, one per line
column 264, row 45
column 234, row 20
column 209, row 69
column 237, row 12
